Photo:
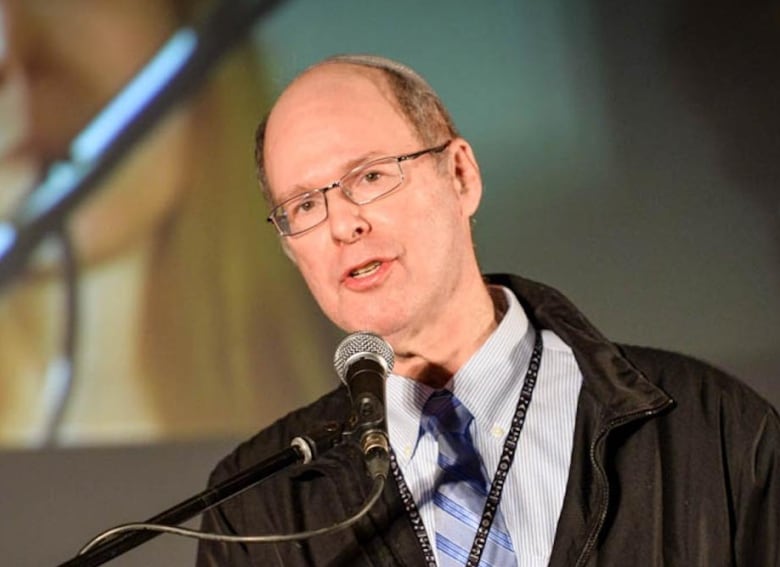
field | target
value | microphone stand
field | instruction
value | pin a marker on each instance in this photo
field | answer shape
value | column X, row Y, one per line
column 302, row 450
column 175, row 71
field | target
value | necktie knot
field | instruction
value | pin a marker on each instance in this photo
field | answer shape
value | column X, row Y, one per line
column 443, row 413
column 448, row 420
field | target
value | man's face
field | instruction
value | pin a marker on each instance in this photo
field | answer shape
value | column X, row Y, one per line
column 390, row 266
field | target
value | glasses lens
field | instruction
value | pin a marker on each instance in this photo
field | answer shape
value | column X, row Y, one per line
column 301, row 213
column 373, row 180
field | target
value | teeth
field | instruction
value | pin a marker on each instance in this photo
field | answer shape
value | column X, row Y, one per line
column 365, row 270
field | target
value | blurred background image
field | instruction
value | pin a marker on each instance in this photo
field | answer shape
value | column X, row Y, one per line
column 629, row 154
column 190, row 322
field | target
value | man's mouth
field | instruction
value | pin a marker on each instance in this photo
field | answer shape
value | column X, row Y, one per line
column 366, row 270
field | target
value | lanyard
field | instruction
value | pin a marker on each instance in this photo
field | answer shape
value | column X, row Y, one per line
column 499, row 478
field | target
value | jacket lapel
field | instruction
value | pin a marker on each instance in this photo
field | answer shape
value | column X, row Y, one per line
column 614, row 393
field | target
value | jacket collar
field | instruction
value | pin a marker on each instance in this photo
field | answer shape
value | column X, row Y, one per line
column 614, row 392
column 609, row 377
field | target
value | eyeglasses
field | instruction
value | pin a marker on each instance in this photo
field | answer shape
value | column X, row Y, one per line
column 362, row 185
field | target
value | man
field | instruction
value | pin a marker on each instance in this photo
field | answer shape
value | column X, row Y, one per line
column 627, row 455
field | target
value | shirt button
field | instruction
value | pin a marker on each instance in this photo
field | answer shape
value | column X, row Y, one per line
column 407, row 451
column 497, row 430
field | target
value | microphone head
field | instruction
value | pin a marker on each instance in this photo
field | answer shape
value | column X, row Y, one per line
column 362, row 344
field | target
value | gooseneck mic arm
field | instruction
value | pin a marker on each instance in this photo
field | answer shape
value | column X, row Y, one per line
column 363, row 361
column 302, row 450
column 175, row 71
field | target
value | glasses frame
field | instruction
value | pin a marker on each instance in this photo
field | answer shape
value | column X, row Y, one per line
column 345, row 191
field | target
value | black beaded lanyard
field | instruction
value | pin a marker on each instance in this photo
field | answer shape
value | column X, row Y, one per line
column 496, row 487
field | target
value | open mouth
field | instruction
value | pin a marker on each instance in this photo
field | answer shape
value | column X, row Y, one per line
column 366, row 270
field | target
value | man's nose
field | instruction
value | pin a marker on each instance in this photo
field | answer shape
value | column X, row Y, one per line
column 346, row 219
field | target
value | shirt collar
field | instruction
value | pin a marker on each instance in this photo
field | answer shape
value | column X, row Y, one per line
column 500, row 361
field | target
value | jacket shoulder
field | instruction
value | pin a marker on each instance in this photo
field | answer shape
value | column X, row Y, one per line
column 695, row 383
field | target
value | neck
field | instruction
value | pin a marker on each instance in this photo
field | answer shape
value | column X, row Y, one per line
column 435, row 353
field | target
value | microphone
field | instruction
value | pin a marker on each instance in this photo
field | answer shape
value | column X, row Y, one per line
column 363, row 361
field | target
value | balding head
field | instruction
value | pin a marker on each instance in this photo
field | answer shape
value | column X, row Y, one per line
column 412, row 97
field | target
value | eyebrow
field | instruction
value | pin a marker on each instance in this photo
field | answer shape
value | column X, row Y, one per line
column 299, row 190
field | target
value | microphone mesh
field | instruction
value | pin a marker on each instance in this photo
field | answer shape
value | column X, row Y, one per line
column 359, row 343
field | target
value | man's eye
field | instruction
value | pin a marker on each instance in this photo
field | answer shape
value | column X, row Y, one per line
column 305, row 206
column 372, row 176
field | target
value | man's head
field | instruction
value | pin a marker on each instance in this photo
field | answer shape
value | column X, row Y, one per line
column 412, row 94
column 396, row 265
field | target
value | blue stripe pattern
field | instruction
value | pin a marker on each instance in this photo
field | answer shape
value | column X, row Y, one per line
column 461, row 487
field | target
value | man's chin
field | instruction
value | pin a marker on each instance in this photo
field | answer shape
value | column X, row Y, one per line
column 376, row 325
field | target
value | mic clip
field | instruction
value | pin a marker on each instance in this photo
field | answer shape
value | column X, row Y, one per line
column 365, row 428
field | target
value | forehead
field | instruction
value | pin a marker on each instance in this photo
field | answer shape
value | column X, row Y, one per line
column 328, row 118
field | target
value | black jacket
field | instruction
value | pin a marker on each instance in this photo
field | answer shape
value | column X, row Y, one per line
column 674, row 463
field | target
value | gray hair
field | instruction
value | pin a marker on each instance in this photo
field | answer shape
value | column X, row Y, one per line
column 416, row 100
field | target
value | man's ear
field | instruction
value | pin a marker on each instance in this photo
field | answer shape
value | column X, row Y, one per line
column 467, row 175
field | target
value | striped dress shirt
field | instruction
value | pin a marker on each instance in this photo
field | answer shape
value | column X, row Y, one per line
column 489, row 386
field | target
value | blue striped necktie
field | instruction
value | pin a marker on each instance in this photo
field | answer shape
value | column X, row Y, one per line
column 461, row 487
